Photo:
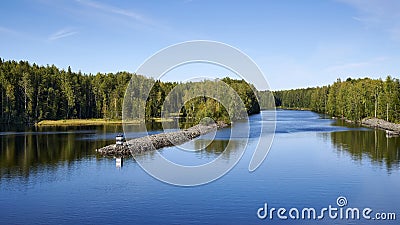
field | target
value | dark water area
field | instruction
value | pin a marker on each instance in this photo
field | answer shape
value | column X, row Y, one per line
column 52, row 175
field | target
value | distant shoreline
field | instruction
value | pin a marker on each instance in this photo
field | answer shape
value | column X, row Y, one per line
column 375, row 123
column 366, row 122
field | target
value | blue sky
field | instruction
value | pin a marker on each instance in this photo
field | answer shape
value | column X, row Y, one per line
column 295, row 43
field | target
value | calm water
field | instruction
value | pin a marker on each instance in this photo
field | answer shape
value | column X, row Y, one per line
column 52, row 176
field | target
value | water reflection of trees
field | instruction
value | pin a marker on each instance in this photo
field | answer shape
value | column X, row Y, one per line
column 214, row 147
column 373, row 144
column 206, row 149
column 23, row 153
column 218, row 147
column 31, row 150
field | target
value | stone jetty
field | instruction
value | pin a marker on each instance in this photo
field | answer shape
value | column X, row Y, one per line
column 157, row 141
column 391, row 128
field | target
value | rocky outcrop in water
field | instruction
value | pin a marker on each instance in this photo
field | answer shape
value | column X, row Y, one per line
column 381, row 124
column 157, row 141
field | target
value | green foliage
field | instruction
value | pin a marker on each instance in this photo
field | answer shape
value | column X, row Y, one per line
column 352, row 99
column 202, row 107
column 295, row 98
column 208, row 98
column 32, row 93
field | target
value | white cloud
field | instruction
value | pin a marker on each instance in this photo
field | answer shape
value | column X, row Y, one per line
column 65, row 32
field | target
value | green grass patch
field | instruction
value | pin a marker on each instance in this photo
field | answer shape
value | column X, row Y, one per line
column 82, row 122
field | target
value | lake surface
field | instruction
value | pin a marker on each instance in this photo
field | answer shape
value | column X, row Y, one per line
column 53, row 176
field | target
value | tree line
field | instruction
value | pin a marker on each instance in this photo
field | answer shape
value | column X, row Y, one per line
column 31, row 93
column 353, row 99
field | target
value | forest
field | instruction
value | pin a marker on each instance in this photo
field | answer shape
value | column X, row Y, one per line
column 353, row 99
column 32, row 93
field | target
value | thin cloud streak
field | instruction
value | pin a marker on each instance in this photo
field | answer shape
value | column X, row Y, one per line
column 66, row 32
column 129, row 18
column 117, row 11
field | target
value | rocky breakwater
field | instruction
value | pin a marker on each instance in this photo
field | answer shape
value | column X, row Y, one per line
column 391, row 128
column 157, row 141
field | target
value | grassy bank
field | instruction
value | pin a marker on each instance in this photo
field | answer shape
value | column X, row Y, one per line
column 295, row 108
column 77, row 122
column 91, row 122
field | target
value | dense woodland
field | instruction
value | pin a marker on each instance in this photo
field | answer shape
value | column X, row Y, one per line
column 353, row 99
column 31, row 93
